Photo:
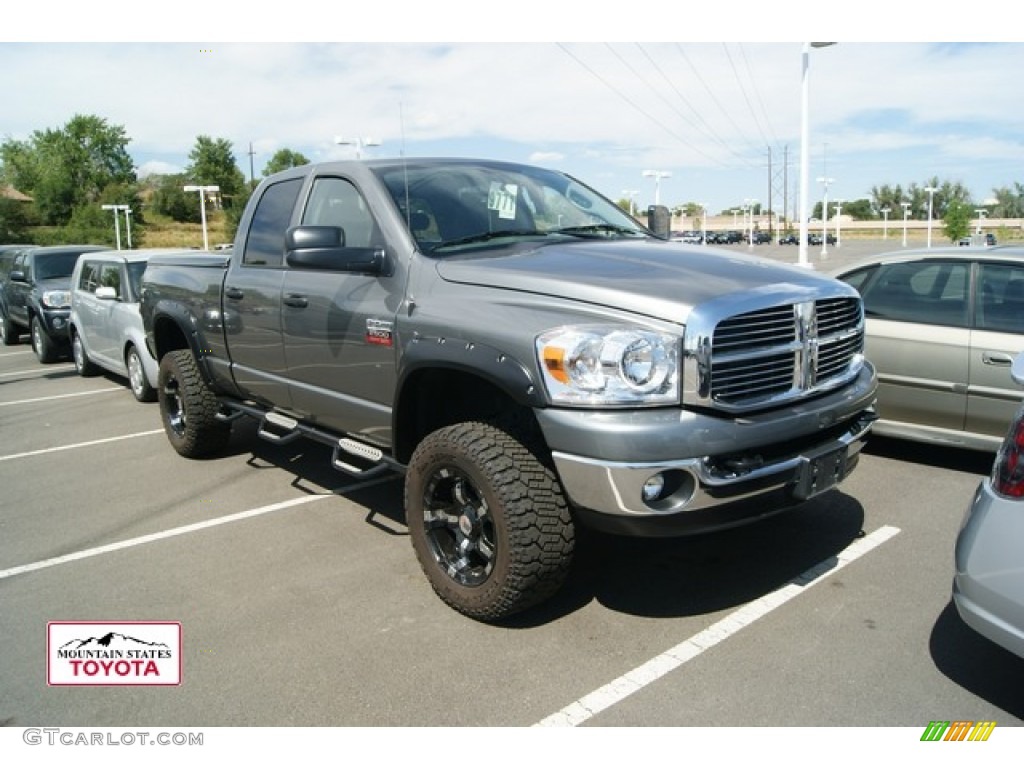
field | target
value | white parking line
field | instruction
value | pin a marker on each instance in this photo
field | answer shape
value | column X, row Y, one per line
column 12, row 354
column 172, row 532
column 40, row 371
column 72, row 446
column 60, row 397
column 585, row 708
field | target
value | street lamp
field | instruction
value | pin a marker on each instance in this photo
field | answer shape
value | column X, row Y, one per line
column 703, row 224
column 885, row 224
column 358, row 143
column 631, row 196
column 202, row 190
column 117, row 223
column 906, row 212
column 805, row 151
column 839, row 224
column 127, row 222
column 657, row 176
column 824, row 214
column 931, row 194
column 982, row 213
column 749, row 206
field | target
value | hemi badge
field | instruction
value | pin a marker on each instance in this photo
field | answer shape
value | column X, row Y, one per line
column 379, row 332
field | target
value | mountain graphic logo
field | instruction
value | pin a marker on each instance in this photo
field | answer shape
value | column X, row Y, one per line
column 110, row 641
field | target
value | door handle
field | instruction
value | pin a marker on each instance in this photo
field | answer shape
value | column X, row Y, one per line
column 996, row 358
column 296, row 300
column 234, row 293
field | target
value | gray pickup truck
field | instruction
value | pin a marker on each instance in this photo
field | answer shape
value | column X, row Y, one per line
column 525, row 353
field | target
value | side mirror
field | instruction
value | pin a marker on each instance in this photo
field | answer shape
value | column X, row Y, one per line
column 659, row 221
column 106, row 293
column 17, row 276
column 319, row 247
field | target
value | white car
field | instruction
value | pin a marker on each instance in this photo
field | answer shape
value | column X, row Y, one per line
column 105, row 326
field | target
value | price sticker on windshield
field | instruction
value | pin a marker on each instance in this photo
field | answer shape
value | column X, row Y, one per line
column 502, row 198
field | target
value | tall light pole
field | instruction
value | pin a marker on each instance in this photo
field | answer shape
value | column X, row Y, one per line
column 127, row 222
column 202, row 190
column 631, row 196
column 906, row 212
column 805, row 152
column 749, row 204
column 982, row 213
column 885, row 223
column 839, row 224
column 703, row 223
column 358, row 143
column 824, row 180
column 657, row 176
column 117, row 223
column 931, row 194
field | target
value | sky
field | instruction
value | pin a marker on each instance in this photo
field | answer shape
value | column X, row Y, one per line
column 722, row 117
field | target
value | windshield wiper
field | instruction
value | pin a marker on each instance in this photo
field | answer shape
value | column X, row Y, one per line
column 598, row 230
column 483, row 237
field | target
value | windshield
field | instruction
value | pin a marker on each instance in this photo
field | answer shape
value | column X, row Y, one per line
column 451, row 206
column 52, row 265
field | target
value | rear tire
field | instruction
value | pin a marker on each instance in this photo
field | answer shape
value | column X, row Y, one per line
column 488, row 521
column 10, row 332
column 188, row 407
column 140, row 387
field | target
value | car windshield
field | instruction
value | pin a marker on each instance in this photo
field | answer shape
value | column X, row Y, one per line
column 451, row 207
column 50, row 265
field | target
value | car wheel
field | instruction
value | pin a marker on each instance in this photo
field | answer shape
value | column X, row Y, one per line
column 42, row 344
column 143, row 392
column 9, row 331
column 188, row 407
column 488, row 521
column 82, row 363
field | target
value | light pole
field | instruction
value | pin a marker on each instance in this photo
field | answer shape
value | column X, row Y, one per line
column 631, row 195
column 906, row 212
column 805, row 151
column 358, row 143
column 982, row 213
column 750, row 224
column 839, row 224
column 824, row 214
column 703, row 224
column 127, row 222
column 657, row 176
column 117, row 223
column 931, row 194
column 885, row 223
column 202, row 190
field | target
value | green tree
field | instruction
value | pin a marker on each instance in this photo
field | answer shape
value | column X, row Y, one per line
column 14, row 221
column 65, row 168
column 213, row 162
column 859, row 210
column 1009, row 202
column 284, row 159
column 956, row 220
column 170, row 199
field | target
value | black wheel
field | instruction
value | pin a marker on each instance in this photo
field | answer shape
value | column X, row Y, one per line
column 188, row 408
column 9, row 331
column 42, row 344
column 143, row 392
column 82, row 363
column 488, row 521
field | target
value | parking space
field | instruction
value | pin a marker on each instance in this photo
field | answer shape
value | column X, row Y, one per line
column 301, row 602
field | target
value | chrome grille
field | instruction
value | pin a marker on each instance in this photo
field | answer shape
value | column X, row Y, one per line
column 785, row 351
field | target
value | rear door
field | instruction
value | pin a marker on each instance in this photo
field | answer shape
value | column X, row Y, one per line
column 997, row 337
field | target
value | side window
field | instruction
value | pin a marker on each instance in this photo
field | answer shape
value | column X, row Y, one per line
column 110, row 277
column 337, row 203
column 89, row 278
column 928, row 292
column 859, row 278
column 264, row 247
column 1000, row 299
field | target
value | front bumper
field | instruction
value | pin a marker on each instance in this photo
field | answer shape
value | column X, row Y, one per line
column 55, row 323
column 716, row 472
column 988, row 585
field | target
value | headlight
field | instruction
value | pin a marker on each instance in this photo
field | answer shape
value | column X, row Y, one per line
column 601, row 365
column 56, row 299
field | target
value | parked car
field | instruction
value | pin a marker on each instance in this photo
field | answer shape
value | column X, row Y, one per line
column 105, row 325
column 759, row 237
column 689, row 236
column 943, row 326
column 37, row 297
column 789, row 239
column 988, row 585
column 989, row 240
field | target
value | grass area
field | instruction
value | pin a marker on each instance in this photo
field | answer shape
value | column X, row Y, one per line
column 163, row 232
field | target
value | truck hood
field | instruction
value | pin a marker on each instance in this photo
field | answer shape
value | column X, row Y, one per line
column 663, row 280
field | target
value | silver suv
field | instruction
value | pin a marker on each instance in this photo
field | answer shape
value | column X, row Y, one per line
column 105, row 325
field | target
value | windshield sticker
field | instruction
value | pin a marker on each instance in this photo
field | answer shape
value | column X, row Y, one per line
column 502, row 198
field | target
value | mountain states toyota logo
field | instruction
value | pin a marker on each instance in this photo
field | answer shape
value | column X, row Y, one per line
column 116, row 653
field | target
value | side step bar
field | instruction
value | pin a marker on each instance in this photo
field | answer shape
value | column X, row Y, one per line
column 280, row 429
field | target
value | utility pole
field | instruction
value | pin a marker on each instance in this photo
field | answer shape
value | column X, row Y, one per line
column 252, row 174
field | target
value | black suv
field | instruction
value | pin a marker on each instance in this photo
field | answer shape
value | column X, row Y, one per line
column 36, row 295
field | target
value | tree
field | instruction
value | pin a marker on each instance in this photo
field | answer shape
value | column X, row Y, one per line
column 170, row 199
column 1009, row 202
column 212, row 162
column 956, row 220
column 67, row 168
column 284, row 159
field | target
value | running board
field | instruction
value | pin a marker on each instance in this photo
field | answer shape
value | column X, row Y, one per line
column 281, row 429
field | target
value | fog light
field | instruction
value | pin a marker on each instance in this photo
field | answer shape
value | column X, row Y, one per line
column 653, row 487
column 58, row 322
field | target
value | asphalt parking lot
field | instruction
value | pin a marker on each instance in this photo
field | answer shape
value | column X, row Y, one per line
column 301, row 603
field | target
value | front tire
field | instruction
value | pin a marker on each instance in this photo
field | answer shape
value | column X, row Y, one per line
column 137, row 380
column 488, row 521
column 42, row 344
column 188, row 407
column 83, row 365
